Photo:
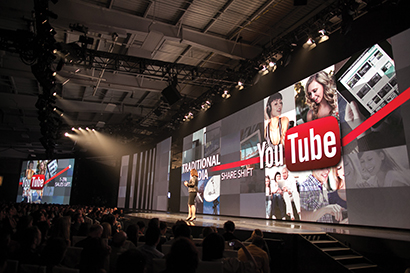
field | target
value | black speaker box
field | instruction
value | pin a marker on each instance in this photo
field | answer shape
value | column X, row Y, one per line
column 171, row 94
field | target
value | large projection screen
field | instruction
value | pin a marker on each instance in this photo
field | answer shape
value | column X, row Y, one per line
column 244, row 163
column 46, row 181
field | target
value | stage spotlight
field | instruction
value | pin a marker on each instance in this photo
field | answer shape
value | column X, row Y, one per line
column 226, row 94
column 66, row 134
column 88, row 129
column 58, row 110
column 323, row 36
column 79, row 128
column 310, row 44
column 241, row 84
column 272, row 66
column 263, row 69
column 73, row 129
column 206, row 105
column 188, row 116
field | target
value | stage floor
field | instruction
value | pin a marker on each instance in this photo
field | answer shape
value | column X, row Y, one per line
column 277, row 226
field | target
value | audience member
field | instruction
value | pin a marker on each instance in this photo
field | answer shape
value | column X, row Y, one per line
column 84, row 229
column 180, row 229
column 95, row 231
column 29, row 251
column 132, row 233
column 76, row 221
column 131, row 261
column 208, row 230
column 117, row 247
column 259, row 233
column 151, row 240
column 149, row 249
column 229, row 228
column 213, row 248
column 141, row 233
column 256, row 249
column 110, row 219
column 106, row 231
column 54, row 252
column 163, row 238
column 94, row 256
column 183, row 257
column 9, row 221
column 24, row 222
column 61, row 228
column 153, row 222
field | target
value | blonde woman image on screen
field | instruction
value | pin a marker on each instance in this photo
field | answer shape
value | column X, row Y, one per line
column 383, row 169
column 320, row 95
column 192, row 186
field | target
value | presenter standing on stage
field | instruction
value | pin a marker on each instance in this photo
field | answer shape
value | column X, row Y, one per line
column 192, row 185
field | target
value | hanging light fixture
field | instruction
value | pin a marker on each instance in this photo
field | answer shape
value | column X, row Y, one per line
column 206, row 105
column 226, row 94
column 323, row 36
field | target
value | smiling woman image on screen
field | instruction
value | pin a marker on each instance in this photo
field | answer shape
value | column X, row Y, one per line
column 320, row 94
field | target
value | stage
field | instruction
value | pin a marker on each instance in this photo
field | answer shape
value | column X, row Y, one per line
column 277, row 226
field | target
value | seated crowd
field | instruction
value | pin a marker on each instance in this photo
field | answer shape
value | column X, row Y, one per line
column 99, row 239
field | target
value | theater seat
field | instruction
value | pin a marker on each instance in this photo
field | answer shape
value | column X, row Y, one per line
column 72, row 257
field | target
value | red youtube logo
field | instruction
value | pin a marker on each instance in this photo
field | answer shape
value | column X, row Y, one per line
column 313, row 145
column 37, row 182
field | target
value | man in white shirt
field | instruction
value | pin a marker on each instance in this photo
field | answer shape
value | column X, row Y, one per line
column 290, row 193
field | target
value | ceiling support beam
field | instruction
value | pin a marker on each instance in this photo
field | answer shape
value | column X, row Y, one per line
column 103, row 20
column 216, row 16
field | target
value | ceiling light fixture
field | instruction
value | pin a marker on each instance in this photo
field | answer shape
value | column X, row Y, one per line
column 188, row 116
column 323, row 36
column 206, row 105
column 310, row 44
column 226, row 94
